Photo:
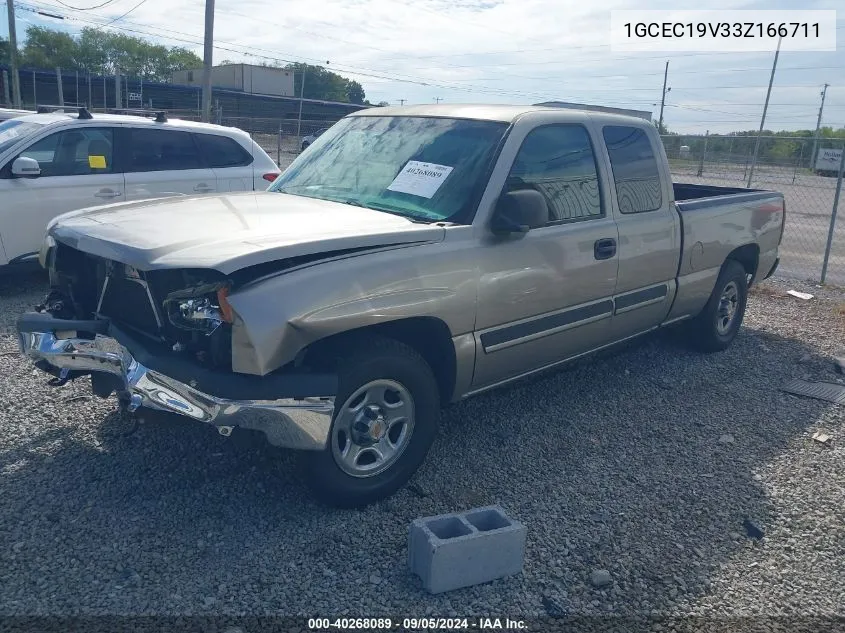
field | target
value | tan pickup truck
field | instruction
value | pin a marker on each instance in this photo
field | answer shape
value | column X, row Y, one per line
column 408, row 258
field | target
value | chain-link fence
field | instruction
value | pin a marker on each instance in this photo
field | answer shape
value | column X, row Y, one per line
column 805, row 171
column 282, row 139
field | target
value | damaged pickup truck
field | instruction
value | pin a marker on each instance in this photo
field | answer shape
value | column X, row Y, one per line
column 409, row 258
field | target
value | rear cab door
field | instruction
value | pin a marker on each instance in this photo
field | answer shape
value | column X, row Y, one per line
column 648, row 223
column 163, row 161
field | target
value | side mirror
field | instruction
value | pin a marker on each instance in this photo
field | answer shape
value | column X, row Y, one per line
column 24, row 167
column 519, row 212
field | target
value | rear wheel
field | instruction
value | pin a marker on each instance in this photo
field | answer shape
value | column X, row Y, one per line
column 715, row 328
column 385, row 421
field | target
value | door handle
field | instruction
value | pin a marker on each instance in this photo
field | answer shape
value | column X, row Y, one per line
column 203, row 188
column 604, row 248
column 107, row 194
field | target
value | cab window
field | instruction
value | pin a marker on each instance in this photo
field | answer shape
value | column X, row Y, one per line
column 558, row 161
column 635, row 170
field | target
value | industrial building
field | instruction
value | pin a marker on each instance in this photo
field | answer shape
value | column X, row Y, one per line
column 257, row 80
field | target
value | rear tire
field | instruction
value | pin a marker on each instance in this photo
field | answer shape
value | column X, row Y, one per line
column 385, row 421
column 717, row 325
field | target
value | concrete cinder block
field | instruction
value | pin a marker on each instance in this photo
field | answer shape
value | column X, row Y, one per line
column 456, row 550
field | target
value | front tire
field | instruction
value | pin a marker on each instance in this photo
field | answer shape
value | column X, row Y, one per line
column 715, row 328
column 385, row 421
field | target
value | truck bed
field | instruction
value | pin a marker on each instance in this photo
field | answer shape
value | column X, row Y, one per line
column 688, row 191
column 718, row 222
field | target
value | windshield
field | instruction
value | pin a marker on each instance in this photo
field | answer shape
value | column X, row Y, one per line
column 13, row 130
column 426, row 169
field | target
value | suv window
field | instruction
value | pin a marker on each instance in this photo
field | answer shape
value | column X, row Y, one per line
column 634, row 168
column 162, row 150
column 558, row 161
column 221, row 151
column 76, row 152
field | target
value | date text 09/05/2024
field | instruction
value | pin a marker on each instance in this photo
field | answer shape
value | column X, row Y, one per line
column 415, row 624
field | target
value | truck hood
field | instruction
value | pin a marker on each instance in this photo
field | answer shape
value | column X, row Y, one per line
column 232, row 231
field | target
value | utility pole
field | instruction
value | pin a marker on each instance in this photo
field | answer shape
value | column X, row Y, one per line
column 208, row 52
column 438, row 100
column 13, row 55
column 401, row 102
column 818, row 125
column 301, row 97
column 763, row 120
column 663, row 97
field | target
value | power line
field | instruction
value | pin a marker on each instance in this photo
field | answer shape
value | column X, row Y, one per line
column 395, row 77
column 120, row 17
column 96, row 6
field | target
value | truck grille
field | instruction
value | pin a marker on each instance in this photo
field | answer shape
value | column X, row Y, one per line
column 125, row 297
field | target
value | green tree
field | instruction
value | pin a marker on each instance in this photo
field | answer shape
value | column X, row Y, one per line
column 45, row 48
column 103, row 53
column 4, row 51
column 354, row 91
column 321, row 83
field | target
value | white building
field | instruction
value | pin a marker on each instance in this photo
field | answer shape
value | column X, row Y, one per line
column 259, row 80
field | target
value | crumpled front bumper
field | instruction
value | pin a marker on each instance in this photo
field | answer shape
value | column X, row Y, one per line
column 298, row 421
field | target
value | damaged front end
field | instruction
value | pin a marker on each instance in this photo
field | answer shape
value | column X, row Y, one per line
column 163, row 339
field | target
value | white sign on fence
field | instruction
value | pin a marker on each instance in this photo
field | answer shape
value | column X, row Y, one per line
column 828, row 160
column 134, row 96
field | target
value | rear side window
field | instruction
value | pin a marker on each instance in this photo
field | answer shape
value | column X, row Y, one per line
column 162, row 150
column 634, row 167
column 221, row 151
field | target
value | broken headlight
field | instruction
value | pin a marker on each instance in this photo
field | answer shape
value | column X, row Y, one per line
column 198, row 309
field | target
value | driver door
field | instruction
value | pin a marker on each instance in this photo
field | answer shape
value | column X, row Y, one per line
column 77, row 171
column 547, row 296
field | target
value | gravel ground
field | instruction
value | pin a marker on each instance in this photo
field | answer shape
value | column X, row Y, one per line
column 644, row 463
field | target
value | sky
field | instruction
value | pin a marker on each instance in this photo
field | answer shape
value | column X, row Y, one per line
column 490, row 51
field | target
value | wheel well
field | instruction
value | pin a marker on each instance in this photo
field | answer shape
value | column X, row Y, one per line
column 748, row 256
column 428, row 336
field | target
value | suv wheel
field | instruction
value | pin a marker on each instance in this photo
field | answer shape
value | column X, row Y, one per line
column 385, row 421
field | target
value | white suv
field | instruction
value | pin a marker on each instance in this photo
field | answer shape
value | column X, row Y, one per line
column 58, row 162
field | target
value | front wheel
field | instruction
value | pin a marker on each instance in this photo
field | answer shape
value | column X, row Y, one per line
column 385, row 421
column 715, row 328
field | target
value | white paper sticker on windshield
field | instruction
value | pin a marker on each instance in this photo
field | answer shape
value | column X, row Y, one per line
column 420, row 179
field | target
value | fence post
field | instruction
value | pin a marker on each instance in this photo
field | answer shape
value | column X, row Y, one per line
column 279, row 146
column 833, row 215
column 703, row 153
column 59, row 86
column 800, row 160
column 6, row 94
